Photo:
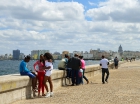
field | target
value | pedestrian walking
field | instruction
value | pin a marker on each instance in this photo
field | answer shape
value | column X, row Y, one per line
column 104, row 64
column 116, row 62
column 83, row 68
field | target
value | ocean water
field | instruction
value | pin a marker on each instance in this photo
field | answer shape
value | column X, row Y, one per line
column 12, row 66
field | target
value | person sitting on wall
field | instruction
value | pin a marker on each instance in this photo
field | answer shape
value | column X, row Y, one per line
column 24, row 71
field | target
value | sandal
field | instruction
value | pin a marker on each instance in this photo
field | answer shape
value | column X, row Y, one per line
column 39, row 96
column 43, row 94
column 35, row 90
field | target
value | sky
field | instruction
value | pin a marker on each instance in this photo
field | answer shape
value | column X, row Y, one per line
column 69, row 25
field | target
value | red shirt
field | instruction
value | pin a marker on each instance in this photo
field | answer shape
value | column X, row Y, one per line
column 40, row 66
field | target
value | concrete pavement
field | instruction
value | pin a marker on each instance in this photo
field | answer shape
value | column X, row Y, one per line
column 123, row 88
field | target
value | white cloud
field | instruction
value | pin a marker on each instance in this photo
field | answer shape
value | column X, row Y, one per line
column 58, row 26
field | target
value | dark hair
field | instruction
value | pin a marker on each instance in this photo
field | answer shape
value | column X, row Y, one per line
column 76, row 55
column 66, row 56
column 80, row 57
column 48, row 56
column 27, row 57
column 103, row 56
column 42, row 60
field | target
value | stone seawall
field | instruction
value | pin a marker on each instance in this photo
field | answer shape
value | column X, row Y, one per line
column 15, row 87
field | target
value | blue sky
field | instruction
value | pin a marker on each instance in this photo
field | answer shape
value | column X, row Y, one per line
column 59, row 25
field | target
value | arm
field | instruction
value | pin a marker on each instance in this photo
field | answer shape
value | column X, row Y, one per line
column 35, row 64
column 108, row 63
column 25, row 69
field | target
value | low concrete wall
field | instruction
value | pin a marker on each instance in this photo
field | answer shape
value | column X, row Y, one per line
column 15, row 87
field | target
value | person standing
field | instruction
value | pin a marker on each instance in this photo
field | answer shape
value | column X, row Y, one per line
column 25, row 71
column 116, row 61
column 75, row 64
column 41, row 73
column 83, row 67
column 48, row 68
column 104, row 64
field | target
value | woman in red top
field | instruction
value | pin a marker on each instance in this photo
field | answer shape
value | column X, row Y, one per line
column 41, row 73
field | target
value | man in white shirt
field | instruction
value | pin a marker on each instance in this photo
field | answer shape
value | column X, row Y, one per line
column 104, row 63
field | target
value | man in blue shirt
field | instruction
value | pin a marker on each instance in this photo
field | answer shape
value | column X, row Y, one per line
column 25, row 71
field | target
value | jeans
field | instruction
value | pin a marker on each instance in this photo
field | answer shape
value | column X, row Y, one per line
column 69, row 72
column 84, row 75
column 105, row 70
column 75, row 76
column 30, row 74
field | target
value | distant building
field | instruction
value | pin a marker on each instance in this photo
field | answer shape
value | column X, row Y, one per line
column 65, row 52
column 120, row 50
column 77, row 52
column 35, row 54
column 56, row 53
column 21, row 56
column 16, row 54
column 87, row 55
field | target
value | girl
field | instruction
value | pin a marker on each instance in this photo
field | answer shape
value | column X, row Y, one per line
column 83, row 67
column 48, row 67
column 41, row 73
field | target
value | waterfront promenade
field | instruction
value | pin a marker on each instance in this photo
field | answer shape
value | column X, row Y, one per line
column 123, row 88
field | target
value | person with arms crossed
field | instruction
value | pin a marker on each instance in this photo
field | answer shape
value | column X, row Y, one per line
column 104, row 64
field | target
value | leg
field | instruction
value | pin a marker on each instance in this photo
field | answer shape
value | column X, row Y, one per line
column 73, row 76
column 77, row 76
column 51, row 84
column 103, row 74
column 107, row 72
column 39, row 81
column 45, row 80
column 85, row 76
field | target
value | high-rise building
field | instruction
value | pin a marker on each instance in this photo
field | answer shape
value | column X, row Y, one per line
column 35, row 54
column 16, row 54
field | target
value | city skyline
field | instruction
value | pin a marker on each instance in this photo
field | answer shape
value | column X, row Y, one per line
column 58, row 25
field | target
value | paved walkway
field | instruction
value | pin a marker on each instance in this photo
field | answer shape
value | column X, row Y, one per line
column 123, row 88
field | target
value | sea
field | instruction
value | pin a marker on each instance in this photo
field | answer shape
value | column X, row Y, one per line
column 12, row 66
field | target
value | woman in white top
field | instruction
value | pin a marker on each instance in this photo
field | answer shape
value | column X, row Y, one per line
column 48, row 68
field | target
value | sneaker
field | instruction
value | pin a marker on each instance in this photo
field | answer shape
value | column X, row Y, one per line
column 87, row 82
column 47, row 95
column 51, row 94
column 106, row 81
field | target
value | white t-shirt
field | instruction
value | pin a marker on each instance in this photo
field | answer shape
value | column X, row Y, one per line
column 104, row 63
column 48, row 71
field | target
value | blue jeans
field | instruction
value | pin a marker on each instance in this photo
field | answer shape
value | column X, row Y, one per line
column 31, row 75
column 75, row 76
column 69, row 72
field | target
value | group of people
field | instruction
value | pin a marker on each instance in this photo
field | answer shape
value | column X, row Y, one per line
column 42, row 74
column 75, row 67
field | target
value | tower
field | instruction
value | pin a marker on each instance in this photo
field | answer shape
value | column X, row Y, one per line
column 120, row 50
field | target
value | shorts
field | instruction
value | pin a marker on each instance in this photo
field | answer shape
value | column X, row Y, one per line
column 48, row 73
column 30, row 74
